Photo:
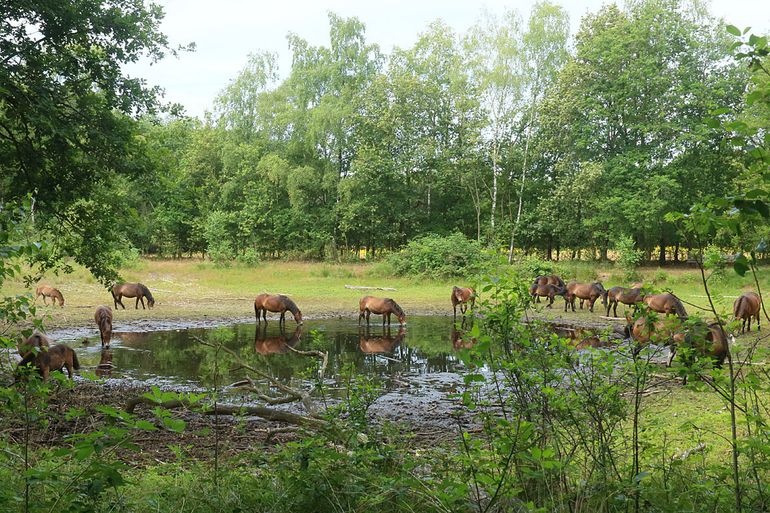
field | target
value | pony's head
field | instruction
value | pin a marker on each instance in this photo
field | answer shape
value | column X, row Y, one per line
column 399, row 313
column 148, row 295
column 298, row 316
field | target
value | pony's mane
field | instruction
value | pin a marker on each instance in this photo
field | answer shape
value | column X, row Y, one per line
column 396, row 308
column 679, row 307
column 146, row 292
column 290, row 305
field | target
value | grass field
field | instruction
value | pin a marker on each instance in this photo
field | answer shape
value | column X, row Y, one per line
column 192, row 289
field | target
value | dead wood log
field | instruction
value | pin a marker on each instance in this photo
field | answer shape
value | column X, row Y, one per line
column 227, row 409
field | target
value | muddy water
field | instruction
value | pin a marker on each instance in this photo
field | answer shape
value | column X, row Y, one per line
column 174, row 356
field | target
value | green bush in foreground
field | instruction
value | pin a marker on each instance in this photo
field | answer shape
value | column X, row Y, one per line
column 436, row 256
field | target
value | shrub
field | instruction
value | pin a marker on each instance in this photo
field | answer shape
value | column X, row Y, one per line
column 629, row 257
column 250, row 257
column 436, row 256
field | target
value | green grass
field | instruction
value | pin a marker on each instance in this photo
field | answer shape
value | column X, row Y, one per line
column 191, row 289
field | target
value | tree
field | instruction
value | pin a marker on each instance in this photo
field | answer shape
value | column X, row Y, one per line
column 66, row 107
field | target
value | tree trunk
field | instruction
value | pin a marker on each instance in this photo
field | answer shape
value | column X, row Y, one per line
column 676, row 252
column 662, row 254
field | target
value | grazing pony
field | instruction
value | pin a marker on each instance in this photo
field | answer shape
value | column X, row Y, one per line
column 137, row 290
column 746, row 307
column 707, row 339
column 37, row 350
column 550, row 291
column 264, row 303
column 380, row 306
column 462, row 296
column 623, row 295
column 549, row 280
column 589, row 291
column 666, row 304
column 46, row 291
column 103, row 318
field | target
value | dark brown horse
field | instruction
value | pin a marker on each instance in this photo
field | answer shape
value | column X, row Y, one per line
column 380, row 306
column 278, row 344
column 549, row 280
column 549, row 291
column 666, row 304
column 103, row 318
column 623, row 295
column 462, row 296
column 383, row 344
column 137, row 290
column 277, row 303
column 46, row 291
column 37, row 350
column 707, row 339
column 588, row 291
column 746, row 307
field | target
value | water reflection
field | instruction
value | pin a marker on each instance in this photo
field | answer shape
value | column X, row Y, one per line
column 386, row 343
column 104, row 369
column 177, row 356
column 276, row 344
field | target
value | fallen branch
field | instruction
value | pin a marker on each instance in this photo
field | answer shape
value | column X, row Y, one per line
column 225, row 409
column 361, row 287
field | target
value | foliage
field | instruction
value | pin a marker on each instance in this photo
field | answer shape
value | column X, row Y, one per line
column 435, row 256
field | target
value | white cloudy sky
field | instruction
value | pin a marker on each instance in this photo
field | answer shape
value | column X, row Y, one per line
column 226, row 31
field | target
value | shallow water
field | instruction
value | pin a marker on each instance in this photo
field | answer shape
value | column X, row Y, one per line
column 176, row 357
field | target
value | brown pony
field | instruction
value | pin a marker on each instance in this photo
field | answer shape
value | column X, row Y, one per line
column 378, row 305
column 622, row 295
column 667, row 304
column 103, row 318
column 707, row 339
column 264, row 303
column 384, row 344
column 38, row 351
column 137, row 290
column 277, row 344
column 549, row 280
column 589, row 291
column 549, row 291
column 746, row 307
column 462, row 296
column 46, row 291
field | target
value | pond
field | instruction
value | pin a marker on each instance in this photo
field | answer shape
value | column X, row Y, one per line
column 174, row 356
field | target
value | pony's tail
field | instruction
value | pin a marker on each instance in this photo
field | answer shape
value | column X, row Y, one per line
column 75, row 361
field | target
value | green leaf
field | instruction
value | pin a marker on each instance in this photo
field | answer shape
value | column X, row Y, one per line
column 735, row 31
column 741, row 264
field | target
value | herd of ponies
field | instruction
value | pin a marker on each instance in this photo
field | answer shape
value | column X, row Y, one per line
column 39, row 351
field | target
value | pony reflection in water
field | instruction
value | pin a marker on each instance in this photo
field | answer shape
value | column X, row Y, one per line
column 277, row 344
column 382, row 344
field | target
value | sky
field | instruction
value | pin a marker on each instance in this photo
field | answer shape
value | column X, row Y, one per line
column 227, row 31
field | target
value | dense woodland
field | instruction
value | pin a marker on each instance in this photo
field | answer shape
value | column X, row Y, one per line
column 516, row 134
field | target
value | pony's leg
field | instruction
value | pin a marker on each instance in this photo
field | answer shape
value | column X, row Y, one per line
column 45, row 301
column 142, row 300
column 758, row 321
column 591, row 304
column 368, row 313
column 136, row 306
column 671, row 356
column 454, row 309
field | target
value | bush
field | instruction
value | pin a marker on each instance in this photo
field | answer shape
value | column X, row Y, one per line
column 436, row 256
column 629, row 257
column 250, row 257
